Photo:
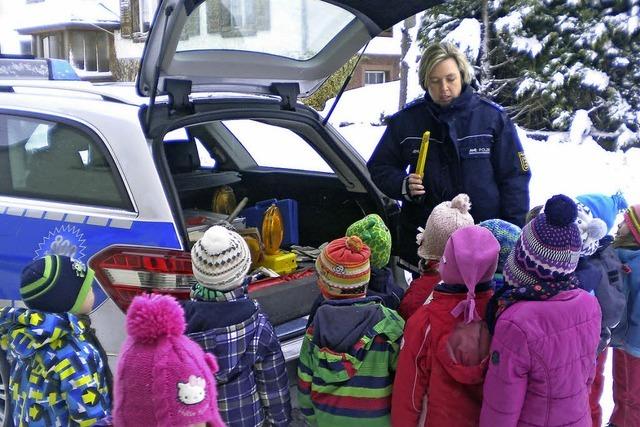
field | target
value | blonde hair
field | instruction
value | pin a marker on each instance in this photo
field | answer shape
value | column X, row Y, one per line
column 435, row 53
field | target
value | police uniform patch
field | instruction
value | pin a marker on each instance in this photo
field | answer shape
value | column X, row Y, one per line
column 524, row 165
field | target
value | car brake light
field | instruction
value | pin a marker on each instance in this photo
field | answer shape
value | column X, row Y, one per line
column 126, row 271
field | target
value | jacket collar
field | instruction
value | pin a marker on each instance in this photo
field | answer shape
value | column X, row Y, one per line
column 461, row 102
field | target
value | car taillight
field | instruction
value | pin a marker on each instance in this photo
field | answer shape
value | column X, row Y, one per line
column 125, row 272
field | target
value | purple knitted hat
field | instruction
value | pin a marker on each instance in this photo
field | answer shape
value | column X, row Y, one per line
column 548, row 248
column 470, row 257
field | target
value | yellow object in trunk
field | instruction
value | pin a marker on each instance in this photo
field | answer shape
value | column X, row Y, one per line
column 272, row 230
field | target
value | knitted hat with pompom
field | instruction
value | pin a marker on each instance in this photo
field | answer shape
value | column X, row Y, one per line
column 445, row 218
column 343, row 268
column 163, row 378
column 220, row 259
column 548, row 248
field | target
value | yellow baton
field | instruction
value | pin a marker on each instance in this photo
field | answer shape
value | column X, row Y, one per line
column 422, row 155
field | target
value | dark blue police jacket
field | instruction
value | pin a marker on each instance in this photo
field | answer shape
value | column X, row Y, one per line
column 474, row 149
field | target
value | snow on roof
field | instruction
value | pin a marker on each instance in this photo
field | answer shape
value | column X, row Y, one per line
column 62, row 13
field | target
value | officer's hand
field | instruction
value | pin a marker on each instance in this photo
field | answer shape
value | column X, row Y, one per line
column 414, row 185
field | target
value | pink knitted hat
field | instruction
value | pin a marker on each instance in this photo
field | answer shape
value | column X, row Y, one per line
column 470, row 257
column 163, row 378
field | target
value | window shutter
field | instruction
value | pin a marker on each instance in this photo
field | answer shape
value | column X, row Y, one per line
column 125, row 19
column 135, row 15
column 192, row 26
column 218, row 16
column 263, row 15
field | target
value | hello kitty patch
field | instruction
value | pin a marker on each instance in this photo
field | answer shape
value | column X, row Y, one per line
column 192, row 392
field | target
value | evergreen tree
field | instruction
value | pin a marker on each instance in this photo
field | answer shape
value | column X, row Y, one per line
column 551, row 58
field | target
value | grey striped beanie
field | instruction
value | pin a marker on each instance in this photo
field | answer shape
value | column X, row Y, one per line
column 220, row 259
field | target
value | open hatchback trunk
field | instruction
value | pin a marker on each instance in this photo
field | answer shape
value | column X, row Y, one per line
column 232, row 70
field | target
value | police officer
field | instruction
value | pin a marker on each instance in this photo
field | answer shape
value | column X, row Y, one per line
column 474, row 149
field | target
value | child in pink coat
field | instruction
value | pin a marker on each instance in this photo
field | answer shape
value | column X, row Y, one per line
column 545, row 338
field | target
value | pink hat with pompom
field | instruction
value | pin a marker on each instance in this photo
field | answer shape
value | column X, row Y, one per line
column 163, row 378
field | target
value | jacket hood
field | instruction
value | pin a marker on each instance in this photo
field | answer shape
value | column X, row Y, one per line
column 628, row 255
column 25, row 332
column 462, row 354
column 344, row 331
column 227, row 328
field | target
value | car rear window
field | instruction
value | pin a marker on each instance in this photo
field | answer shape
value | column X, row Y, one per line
column 263, row 26
column 276, row 147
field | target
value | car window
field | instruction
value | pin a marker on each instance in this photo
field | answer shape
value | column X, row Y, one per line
column 55, row 161
column 181, row 134
column 274, row 146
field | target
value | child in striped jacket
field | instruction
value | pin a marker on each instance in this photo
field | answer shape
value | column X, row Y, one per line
column 349, row 353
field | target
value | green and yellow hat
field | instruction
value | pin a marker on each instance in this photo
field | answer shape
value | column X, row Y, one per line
column 375, row 234
column 55, row 284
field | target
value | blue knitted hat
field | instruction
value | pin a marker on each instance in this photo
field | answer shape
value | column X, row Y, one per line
column 506, row 234
column 55, row 284
column 604, row 207
column 548, row 248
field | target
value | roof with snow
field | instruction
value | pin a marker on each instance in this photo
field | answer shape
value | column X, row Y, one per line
column 68, row 14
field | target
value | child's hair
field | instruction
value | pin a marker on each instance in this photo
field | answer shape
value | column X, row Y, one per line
column 444, row 219
column 533, row 212
column 56, row 284
column 375, row 234
column 163, row 378
column 343, row 268
column 632, row 237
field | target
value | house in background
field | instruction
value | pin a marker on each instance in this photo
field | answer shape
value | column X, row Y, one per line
column 79, row 31
column 380, row 62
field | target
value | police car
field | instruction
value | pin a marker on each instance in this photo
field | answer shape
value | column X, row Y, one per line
column 122, row 181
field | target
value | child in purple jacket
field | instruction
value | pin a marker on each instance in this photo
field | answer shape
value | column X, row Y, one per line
column 545, row 329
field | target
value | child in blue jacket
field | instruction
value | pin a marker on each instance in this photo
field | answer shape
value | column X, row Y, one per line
column 626, row 336
column 58, row 378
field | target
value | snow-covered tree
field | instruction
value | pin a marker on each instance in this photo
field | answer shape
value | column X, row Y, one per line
column 549, row 59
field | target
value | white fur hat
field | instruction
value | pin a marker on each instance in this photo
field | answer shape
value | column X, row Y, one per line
column 220, row 259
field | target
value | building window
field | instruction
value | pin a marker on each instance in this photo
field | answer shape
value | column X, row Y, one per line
column 52, row 46
column 89, row 50
column 237, row 18
column 25, row 47
column 146, row 14
column 374, row 77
